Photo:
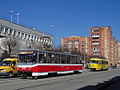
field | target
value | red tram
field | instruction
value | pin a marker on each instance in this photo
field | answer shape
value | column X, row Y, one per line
column 38, row 63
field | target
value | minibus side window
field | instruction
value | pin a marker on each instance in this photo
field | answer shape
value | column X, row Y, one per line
column 100, row 62
column 14, row 63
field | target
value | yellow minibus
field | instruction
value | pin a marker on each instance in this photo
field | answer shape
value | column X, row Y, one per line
column 8, row 67
column 98, row 64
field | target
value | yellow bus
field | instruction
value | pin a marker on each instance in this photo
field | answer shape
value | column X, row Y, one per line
column 98, row 64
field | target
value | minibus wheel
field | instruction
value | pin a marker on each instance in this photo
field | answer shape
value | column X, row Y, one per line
column 10, row 74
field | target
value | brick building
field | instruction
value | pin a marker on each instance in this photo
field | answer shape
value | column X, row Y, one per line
column 103, row 44
column 76, row 44
column 100, row 44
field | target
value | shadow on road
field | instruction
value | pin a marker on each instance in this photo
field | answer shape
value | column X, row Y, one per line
column 113, row 84
column 50, row 76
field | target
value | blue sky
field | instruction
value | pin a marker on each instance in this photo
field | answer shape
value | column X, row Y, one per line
column 69, row 17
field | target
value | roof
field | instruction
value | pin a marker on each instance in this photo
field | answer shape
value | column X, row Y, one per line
column 98, row 59
column 52, row 52
column 10, row 59
column 22, row 28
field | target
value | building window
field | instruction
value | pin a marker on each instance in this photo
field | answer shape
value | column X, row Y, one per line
column 97, row 34
column 6, row 30
column 65, row 46
column 70, row 42
column 25, row 36
column 22, row 36
column 65, row 42
column 82, row 41
column 95, row 30
column 95, row 41
column 69, row 45
column 96, row 45
column 35, row 38
column 1, row 29
column 10, row 32
column 32, row 38
column 28, row 37
column 82, row 45
column 76, row 42
column 14, row 32
column 18, row 34
column 82, row 49
column 76, row 46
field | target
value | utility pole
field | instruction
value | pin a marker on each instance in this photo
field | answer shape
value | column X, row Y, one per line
column 11, row 13
column 17, row 18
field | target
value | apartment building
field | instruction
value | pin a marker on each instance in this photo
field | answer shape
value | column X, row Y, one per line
column 103, row 45
column 76, row 44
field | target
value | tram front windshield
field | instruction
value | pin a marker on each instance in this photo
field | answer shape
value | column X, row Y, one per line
column 27, row 58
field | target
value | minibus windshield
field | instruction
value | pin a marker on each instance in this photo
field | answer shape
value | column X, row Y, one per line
column 94, row 62
column 5, row 63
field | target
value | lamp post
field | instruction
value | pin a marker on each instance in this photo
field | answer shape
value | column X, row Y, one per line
column 84, row 58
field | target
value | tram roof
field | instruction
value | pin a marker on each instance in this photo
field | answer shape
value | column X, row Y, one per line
column 62, row 53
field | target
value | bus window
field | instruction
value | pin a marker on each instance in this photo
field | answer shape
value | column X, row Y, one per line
column 100, row 62
column 94, row 62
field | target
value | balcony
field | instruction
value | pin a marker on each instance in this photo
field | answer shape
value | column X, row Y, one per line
column 95, row 43
column 95, row 36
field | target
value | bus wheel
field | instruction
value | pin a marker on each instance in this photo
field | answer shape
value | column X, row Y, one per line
column 11, row 74
column 23, row 76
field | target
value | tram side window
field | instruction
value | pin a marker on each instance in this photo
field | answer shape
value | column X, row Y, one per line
column 62, row 61
column 21, row 58
column 68, row 59
column 34, row 58
column 79, row 60
column 74, row 60
column 41, row 59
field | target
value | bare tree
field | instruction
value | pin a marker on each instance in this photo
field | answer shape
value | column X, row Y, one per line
column 57, row 48
column 42, row 46
column 47, row 47
column 35, row 45
column 10, row 45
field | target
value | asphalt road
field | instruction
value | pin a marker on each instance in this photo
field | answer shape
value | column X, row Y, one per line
column 85, row 81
